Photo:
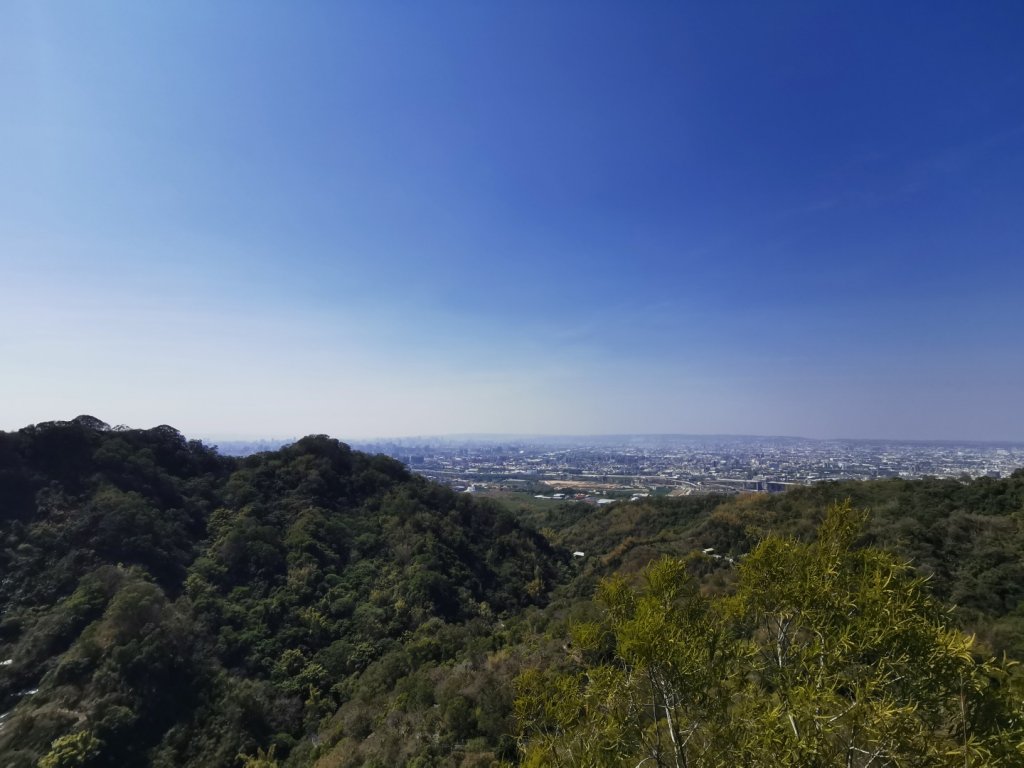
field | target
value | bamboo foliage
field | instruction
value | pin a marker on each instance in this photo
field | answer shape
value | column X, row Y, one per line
column 825, row 655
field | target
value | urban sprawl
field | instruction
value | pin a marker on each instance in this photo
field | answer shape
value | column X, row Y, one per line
column 680, row 465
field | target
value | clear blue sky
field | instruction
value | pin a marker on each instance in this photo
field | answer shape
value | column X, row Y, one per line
column 382, row 218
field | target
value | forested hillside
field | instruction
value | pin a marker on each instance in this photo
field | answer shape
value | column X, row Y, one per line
column 824, row 654
column 162, row 605
column 967, row 537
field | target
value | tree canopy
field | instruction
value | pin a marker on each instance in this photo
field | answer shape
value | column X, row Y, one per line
column 163, row 606
column 825, row 654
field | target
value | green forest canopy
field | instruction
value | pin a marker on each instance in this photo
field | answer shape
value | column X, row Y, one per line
column 163, row 605
column 823, row 655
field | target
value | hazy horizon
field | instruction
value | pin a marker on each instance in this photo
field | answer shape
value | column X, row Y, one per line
column 213, row 438
column 557, row 437
column 526, row 437
column 601, row 218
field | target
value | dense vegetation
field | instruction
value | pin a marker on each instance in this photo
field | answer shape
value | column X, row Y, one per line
column 172, row 607
column 163, row 605
column 823, row 655
column 966, row 537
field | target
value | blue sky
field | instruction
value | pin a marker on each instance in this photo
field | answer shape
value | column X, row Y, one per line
column 374, row 219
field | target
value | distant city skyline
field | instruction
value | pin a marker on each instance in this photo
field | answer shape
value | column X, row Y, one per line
column 677, row 464
column 382, row 219
column 581, row 439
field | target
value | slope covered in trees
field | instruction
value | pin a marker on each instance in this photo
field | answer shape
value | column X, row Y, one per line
column 163, row 605
column 824, row 655
column 966, row 537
